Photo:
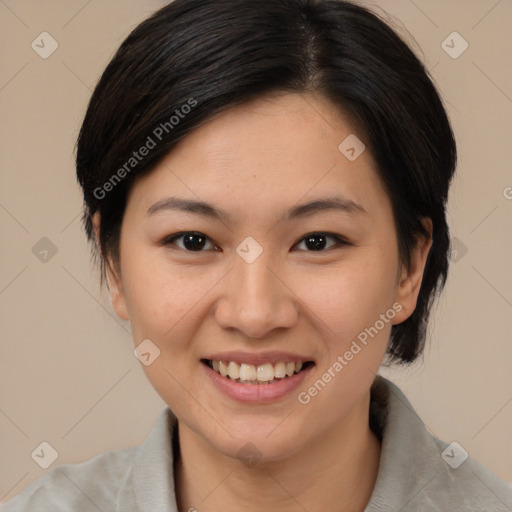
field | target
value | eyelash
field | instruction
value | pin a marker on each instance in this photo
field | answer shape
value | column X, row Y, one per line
column 339, row 240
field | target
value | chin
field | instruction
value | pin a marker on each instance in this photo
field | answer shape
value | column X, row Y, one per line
column 254, row 446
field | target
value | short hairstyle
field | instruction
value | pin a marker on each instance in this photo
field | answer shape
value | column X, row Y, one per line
column 194, row 59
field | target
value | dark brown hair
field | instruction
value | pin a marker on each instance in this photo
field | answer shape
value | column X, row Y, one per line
column 194, row 59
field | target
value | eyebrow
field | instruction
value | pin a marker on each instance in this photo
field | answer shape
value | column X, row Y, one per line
column 300, row 211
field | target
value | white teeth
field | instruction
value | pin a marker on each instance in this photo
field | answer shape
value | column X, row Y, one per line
column 251, row 374
column 247, row 372
column 280, row 370
column 223, row 368
column 265, row 372
column 233, row 370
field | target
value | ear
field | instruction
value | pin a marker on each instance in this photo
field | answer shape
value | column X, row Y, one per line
column 409, row 281
column 112, row 274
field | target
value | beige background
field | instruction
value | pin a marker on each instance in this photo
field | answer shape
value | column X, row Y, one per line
column 67, row 372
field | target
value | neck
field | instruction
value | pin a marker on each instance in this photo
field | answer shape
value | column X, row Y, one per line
column 340, row 468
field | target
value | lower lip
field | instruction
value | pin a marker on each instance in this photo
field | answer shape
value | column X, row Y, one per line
column 256, row 393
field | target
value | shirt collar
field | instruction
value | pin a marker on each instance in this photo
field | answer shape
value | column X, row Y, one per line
column 411, row 471
column 413, row 475
column 409, row 458
column 151, row 483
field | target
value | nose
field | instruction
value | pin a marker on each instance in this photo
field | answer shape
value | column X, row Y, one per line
column 256, row 299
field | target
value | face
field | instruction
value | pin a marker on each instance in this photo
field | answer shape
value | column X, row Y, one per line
column 259, row 280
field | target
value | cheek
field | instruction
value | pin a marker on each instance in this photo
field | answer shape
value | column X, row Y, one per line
column 163, row 305
column 158, row 298
column 351, row 296
column 354, row 308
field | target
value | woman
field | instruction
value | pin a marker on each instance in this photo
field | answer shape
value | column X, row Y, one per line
column 265, row 184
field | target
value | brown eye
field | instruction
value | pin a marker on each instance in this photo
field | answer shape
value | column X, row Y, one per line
column 191, row 241
column 318, row 241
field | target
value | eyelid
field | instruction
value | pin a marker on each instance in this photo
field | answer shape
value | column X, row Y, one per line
column 169, row 240
column 340, row 240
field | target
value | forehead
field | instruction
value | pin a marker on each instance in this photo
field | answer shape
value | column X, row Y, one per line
column 273, row 150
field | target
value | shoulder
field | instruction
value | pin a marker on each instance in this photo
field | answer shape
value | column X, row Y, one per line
column 90, row 485
column 419, row 471
column 465, row 484
column 127, row 480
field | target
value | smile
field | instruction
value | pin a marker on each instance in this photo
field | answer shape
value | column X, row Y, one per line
column 246, row 373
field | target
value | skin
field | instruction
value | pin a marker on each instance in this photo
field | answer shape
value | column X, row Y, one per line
column 255, row 162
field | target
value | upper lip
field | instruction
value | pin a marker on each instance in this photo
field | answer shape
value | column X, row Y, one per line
column 258, row 358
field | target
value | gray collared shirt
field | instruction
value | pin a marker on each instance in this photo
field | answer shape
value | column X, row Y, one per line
column 417, row 471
